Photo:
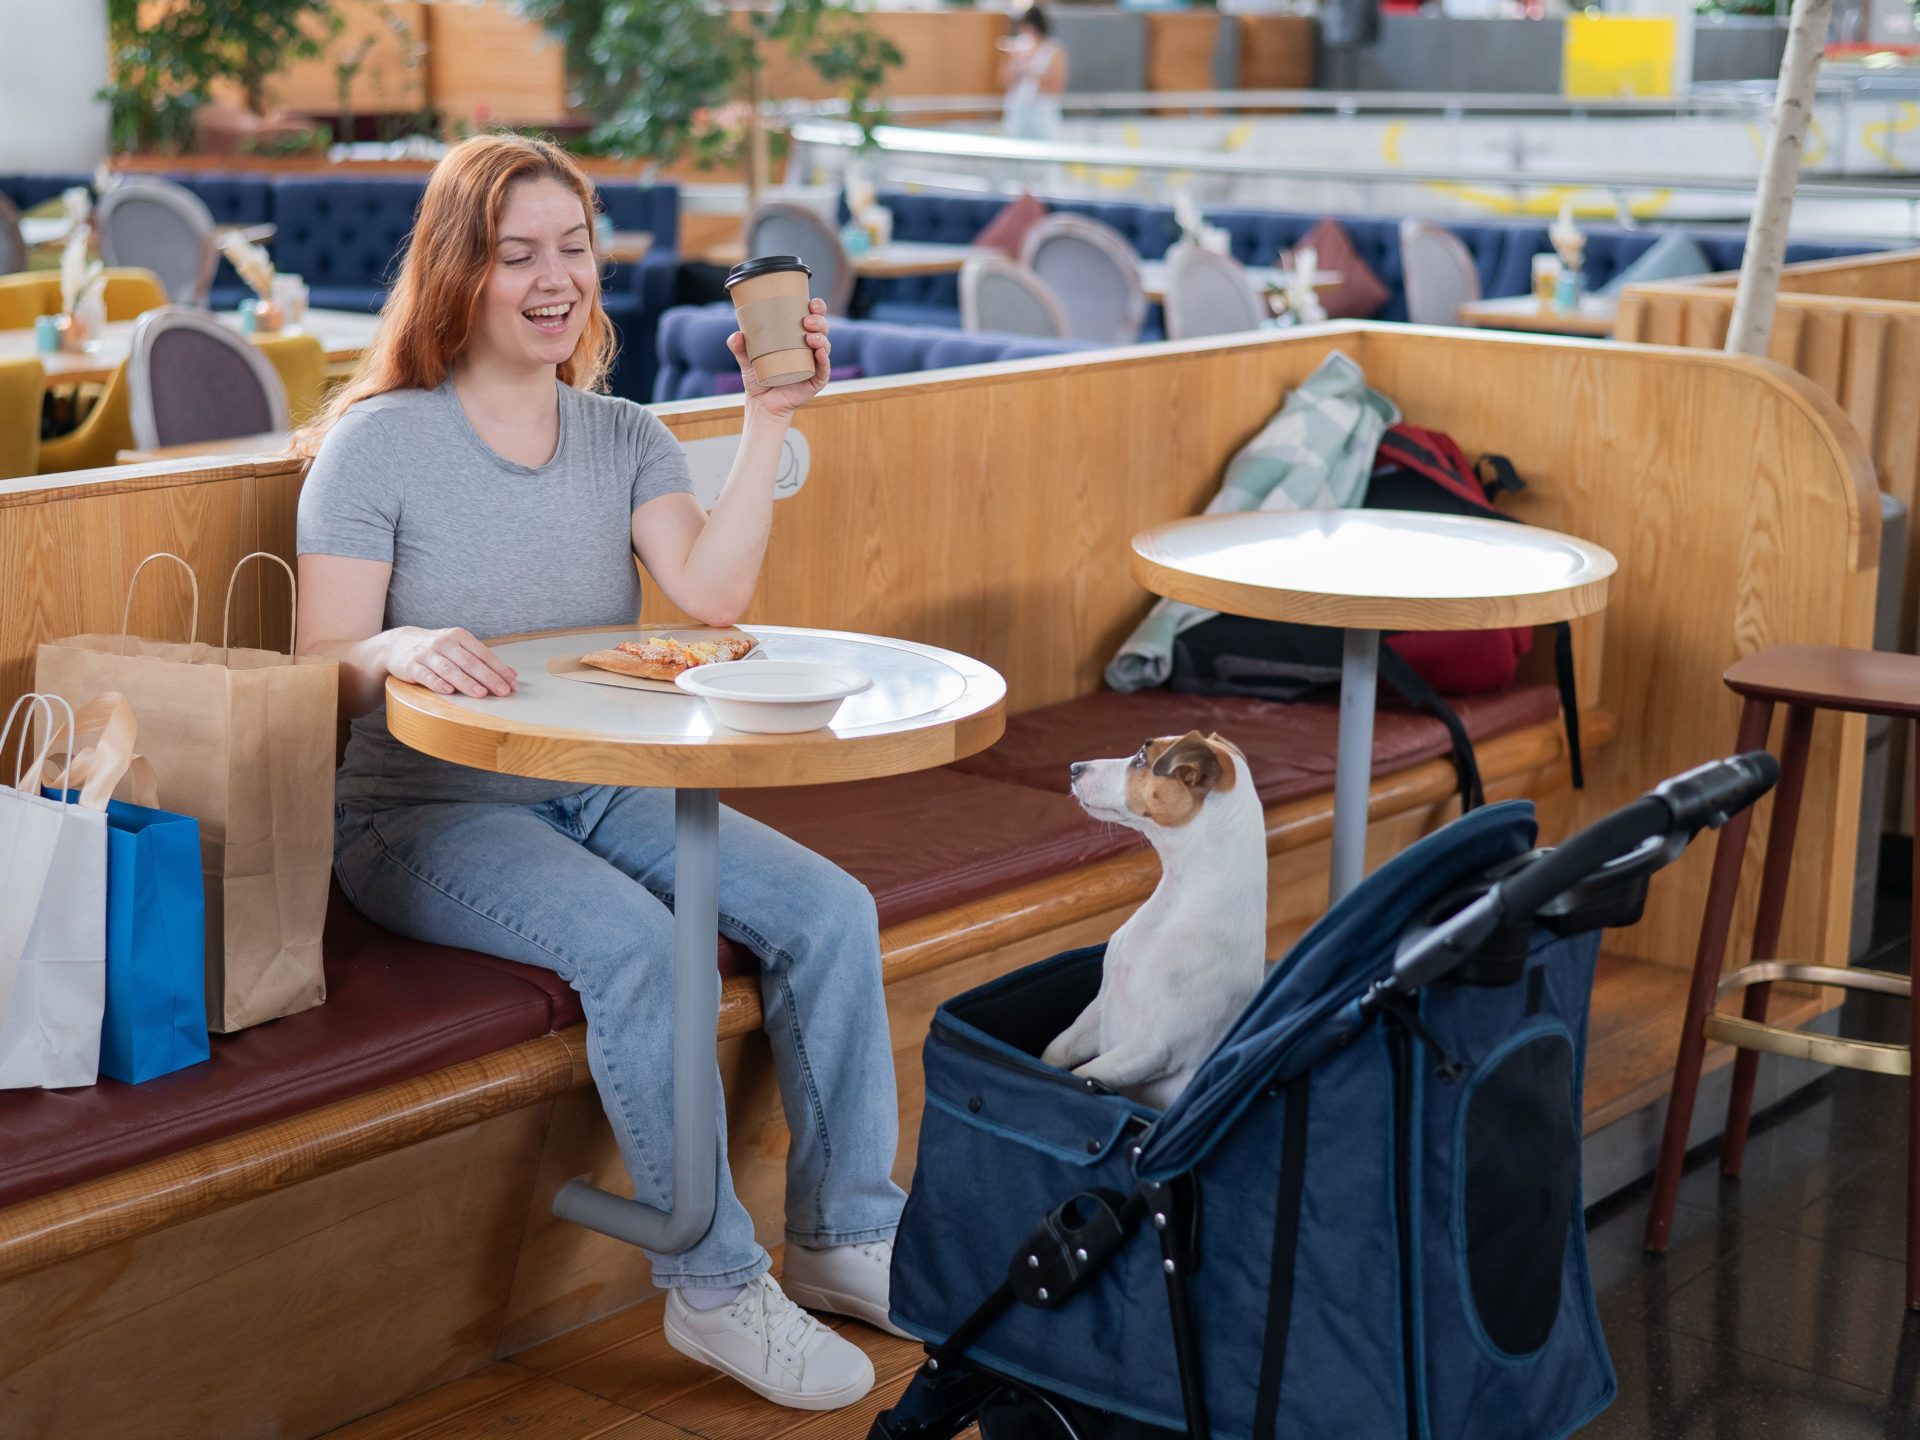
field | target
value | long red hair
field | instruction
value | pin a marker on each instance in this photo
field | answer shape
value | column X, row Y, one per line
column 429, row 314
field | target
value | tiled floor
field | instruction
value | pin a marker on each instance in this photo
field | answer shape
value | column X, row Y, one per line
column 1778, row 1309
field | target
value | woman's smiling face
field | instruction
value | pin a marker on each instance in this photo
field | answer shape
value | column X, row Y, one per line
column 542, row 282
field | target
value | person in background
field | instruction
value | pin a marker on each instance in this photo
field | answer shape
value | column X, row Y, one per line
column 1033, row 72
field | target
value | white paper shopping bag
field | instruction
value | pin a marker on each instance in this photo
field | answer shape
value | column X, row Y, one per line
column 53, row 918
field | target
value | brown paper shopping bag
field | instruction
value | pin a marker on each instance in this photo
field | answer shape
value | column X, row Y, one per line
column 244, row 741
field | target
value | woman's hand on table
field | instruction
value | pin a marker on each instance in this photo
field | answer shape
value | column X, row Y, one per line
column 452, row 660
column 780, row 401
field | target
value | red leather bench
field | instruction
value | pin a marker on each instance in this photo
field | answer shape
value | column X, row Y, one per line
column 922, row 843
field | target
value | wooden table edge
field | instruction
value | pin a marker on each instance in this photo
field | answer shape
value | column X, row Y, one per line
column 433, row 725
column 1313, row 607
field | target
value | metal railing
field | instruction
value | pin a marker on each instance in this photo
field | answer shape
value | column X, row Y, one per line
column 954, row 145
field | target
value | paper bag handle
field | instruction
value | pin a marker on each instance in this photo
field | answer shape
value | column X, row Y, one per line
column 126, row 612
column 96, row 771
column 39, row 700
column 293, row 590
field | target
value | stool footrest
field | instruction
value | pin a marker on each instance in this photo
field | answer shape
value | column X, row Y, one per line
column 1747, row 1034
column 1808, row 1045
column 1844, row 977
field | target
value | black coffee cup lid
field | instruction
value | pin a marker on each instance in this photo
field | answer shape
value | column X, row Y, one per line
column 766, row 265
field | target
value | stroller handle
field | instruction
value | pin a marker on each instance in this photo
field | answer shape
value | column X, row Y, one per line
column 1637, row 839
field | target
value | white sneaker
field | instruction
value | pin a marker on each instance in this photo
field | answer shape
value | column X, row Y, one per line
column 845, row 1280
column 771, row 1346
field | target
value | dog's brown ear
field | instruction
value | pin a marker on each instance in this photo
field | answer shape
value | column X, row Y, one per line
column 1222, row 749
column 1191, row 761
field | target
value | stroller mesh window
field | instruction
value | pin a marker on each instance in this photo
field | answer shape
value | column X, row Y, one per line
column 1522, row 1157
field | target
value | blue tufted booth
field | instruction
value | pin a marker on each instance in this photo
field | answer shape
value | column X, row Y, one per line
column 345, row 235
column 342, row 235
column 1502, row 250
column 693, row 349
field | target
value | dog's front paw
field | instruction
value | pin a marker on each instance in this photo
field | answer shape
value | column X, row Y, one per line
column 1056, row 1053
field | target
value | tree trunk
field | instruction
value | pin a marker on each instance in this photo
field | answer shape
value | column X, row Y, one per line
column 1753, row 304
column 759, row 159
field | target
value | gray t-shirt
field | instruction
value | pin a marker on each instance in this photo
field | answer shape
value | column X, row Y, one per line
column 479, row 541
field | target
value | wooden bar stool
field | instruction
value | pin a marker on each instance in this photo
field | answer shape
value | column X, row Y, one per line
column 1805, row 678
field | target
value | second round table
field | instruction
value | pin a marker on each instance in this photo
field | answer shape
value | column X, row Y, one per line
column 1362, row 572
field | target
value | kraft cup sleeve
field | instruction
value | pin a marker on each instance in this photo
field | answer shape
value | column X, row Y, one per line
column 773, row 324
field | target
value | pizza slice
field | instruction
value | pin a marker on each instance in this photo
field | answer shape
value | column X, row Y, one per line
column 663, row 657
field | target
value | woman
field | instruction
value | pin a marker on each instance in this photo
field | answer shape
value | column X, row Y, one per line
column 470, row 482
column 1033, row 72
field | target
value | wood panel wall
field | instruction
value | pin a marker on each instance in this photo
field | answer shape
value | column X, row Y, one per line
column 989, row 510
column 1277, row 52
column 943, row 52
column 488, row 61
column 1894, row 275
column 1852, row 327
column 1180, row 46
column 393, row 76
column 485, row 61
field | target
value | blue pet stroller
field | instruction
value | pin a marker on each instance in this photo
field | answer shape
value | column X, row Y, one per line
column 1361, row 1219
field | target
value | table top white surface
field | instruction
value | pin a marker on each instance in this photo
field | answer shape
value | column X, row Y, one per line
column 1382, row 569
column 924, row 702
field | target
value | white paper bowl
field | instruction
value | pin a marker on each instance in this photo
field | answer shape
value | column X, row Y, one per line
column 773, row 697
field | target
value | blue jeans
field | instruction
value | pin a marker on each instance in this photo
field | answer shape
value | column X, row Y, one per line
column 583, row 886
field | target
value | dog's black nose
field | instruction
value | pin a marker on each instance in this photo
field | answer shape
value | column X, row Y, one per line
column 1075, row 768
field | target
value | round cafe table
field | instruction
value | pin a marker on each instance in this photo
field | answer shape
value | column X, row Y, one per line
column 926, row 707
column 1362, row 572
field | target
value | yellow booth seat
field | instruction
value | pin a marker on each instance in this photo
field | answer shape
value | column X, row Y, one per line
column 27, row 295
column 107, row 430
column 302, row 363
column 21, row 385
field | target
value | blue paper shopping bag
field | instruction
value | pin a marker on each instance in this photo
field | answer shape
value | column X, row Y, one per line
column 156, row 945
column 156, row 1018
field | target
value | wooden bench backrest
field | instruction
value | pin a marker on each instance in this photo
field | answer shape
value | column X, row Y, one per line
column 989, row 510
column 1852, row 327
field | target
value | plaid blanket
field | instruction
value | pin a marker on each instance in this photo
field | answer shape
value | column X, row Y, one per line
column 1315, row 454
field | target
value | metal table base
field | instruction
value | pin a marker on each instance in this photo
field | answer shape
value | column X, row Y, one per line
column 696, row 1023
column 1353, row 763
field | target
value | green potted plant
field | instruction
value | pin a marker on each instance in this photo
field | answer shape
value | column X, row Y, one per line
column 165, row 61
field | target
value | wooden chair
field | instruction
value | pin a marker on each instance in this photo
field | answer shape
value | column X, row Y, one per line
column 1805, row 678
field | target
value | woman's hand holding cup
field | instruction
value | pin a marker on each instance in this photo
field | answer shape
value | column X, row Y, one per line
column 446, row 661
column 780, row 401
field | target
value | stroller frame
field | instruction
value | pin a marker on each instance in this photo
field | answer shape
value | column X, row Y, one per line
column 1480, row 935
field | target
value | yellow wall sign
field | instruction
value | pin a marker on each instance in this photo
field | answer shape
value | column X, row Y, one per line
column 1617, row 56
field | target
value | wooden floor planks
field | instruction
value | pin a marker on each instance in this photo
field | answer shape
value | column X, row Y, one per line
column 618, row 1379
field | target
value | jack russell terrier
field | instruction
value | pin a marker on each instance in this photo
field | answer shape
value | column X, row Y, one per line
column 1179, row 972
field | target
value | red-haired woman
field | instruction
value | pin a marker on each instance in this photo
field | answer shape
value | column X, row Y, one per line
column 471, row 482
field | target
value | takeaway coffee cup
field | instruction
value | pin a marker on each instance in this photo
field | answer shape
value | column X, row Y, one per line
column 770, row 301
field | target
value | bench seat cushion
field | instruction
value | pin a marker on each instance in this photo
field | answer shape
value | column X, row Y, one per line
column 938, row 839
column 922, row 843
column 1290, row 748
column 395, row 1009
